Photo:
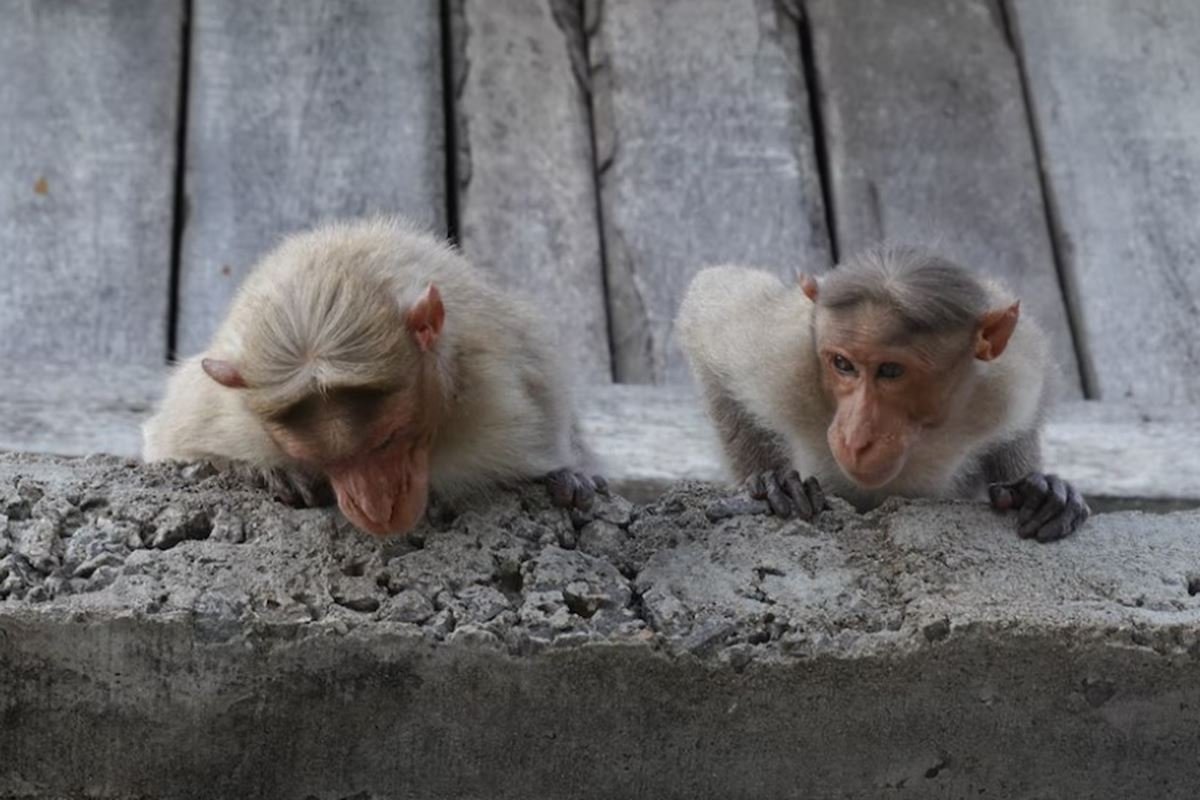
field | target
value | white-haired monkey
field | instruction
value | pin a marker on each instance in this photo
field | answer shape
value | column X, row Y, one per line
column 371, row 357
column 898, row 373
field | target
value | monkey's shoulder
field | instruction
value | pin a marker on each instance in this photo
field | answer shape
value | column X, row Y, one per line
column 728, row 286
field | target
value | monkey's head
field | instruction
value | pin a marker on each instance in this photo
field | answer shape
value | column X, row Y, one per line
column 899, row 332
column 345, row 377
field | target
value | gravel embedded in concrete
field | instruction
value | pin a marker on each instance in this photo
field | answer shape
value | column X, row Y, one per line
column 164, row 622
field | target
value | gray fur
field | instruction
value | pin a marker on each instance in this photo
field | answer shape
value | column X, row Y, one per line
column 925, row 292
column 749, row 448
column 1010, row 460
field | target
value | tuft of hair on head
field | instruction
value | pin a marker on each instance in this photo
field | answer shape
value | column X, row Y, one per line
column 333, row 320
column 925, row 293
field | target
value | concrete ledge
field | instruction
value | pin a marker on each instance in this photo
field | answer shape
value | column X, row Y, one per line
column 167, row 633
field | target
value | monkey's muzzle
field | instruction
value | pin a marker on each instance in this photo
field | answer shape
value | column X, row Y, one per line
column 384, row 492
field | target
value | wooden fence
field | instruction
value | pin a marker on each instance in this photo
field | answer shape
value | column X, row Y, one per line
column 595, row 155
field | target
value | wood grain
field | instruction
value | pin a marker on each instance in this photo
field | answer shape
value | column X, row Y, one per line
column 1115, row 88
column 645, row 436
column 88, row 113
column 929, row 143
column 705, row 152
column 526, row 179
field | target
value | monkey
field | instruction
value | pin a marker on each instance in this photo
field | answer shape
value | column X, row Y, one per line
column 367, row 362
column 898, row 373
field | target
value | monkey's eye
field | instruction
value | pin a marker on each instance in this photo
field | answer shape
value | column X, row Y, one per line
column 843, row 365
column 890, row 369
column 382, row 445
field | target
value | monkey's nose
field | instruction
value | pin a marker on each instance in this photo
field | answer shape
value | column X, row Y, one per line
column 861, row 449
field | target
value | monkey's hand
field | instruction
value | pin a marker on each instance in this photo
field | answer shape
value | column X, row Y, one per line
column 787, row 494
column 293, row 486
column 1050, row 508
column 571, row 489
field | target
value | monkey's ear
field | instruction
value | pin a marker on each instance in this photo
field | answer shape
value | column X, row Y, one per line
column 995, row 329
column 426, row 317
column 808, row 284
column 223, row 372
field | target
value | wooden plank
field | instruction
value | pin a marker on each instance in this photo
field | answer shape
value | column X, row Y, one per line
column 526, row 180
column 1115, row 88
column 929, row 142
column 88, row 113
column 76, row 410
column 650, row 436
column 705, row 151
column 298, row 111
column 646, row 436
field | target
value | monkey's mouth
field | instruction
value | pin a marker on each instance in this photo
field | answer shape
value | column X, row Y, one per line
column 875, row 476
column 387, row 493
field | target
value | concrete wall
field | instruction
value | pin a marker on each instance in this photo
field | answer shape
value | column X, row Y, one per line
column 167, row 633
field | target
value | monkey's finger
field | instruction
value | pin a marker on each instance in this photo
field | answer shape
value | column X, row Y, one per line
column 1059, row 527
column 815, row 495
column 757, row 485
column 560, row 484
column 311, row 489
column 307, row 496
column 283, row 489
column 1052, row 507
column 1031, row 493
column 777, row 498
column 1003, row 496
column 795, row 492
column 601, row 484
column 1073, row 516
column 585, row 492
column 324, row 494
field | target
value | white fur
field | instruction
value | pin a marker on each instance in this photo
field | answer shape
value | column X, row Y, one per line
column 509, row 413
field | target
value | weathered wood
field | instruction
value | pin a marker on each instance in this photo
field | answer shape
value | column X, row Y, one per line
column 88, row 113
column 650, row 436
column 705, row 153
column 76, row 410
column 1115, row 88
column 929, row 142
column 645, row 436
column 526, row 180
column 299, row 111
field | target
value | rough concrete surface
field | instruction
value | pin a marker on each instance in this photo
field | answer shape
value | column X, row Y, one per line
column 168, row 633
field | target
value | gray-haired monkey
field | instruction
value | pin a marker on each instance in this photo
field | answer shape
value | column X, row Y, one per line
column 372, row 357
column 898, row 373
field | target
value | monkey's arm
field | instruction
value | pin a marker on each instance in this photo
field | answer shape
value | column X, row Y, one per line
column 749, row 447
column 1012, row 460
column 1049, row 507
column 744, row 354
column 740, row 350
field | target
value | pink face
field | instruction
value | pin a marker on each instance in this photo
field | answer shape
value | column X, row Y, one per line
column 381, row 478
column 385, row 490
column 887, row 395
column 374, row 444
